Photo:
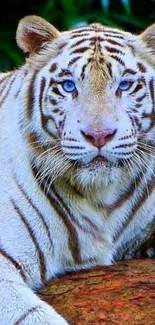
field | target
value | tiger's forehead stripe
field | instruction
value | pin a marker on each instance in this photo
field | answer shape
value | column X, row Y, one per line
column 100, row 35
column 141, row 67
column 74, row 60
column 118, row 59
column 90, row 42
column 130, row 71
column 112, row 46
column 113, row 42
column 81, row 41
column 84, row 39
column 102, row 31
column 114, row 50
column 79, row 35
column 119, row 37
column 80, row 50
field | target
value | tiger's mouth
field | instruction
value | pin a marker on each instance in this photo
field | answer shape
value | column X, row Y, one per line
column 102, row 164
column 99, row 162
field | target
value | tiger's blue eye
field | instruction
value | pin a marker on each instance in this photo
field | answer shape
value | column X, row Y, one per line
column 125, row 85
column 68, row 86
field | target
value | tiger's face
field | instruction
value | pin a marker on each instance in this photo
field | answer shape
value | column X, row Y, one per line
column 97, row 99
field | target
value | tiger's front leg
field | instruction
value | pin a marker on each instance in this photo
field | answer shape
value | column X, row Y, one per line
column 19, row 305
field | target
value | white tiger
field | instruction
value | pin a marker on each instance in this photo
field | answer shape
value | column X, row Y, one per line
column 76, row 158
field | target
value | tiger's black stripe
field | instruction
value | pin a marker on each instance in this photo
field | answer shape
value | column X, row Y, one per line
column 45, row 118
column 30, row 96
column 74, row 60
column 151, row 87
column 66, row 216
column 80, row 50
column 118, row 59
column 137, row 88
column 79, row 35
column 81, row 41
column 7, row 92
column 149, row 187
column 114, row 50
column 39, row 214
column 126, row 196
column 42, row 263
column 14, row 262
column 109, row 34
column 23, row 317
column 64, row 213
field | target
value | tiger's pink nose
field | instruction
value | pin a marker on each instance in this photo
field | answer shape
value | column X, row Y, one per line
column 98, row 138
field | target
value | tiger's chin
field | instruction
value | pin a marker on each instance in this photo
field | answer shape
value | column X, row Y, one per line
column 98, row 173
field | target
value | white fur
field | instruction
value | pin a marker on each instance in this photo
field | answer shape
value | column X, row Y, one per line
column 99, row 187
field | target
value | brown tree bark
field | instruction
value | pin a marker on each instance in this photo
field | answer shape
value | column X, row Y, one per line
column 123, row 293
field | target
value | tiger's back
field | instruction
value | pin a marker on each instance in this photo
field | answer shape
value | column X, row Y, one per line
column 77, row 158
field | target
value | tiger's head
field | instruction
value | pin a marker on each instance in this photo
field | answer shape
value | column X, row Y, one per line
column 90, row 99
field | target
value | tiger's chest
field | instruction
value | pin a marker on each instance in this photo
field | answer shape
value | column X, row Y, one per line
column 98, row 236
column 58, row 233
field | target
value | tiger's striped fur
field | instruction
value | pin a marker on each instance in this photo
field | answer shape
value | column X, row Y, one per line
column 77, row 158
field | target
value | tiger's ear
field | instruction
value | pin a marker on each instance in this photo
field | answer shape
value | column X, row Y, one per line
column 33, row 33
column 148, row 36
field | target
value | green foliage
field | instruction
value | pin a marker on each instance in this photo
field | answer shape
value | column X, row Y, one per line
column 131, row 15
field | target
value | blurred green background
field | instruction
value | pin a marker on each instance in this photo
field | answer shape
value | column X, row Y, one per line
column 131, row 15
